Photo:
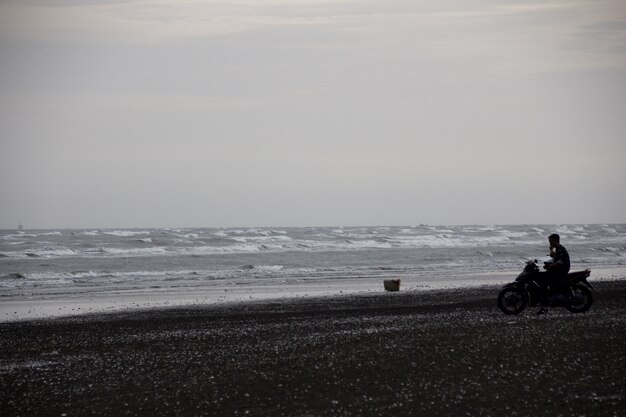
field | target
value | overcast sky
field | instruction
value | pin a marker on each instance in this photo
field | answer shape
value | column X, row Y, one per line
column 172, row 113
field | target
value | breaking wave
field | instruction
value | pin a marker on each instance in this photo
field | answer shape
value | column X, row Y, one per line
column 204, row 242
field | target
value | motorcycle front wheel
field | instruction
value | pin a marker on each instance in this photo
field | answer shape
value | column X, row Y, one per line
column 511, row 300
column 582, row 299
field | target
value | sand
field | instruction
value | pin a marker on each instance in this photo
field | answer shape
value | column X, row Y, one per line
column 434, row 353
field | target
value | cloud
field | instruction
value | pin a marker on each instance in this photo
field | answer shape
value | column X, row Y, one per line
column 517, row 36
column 148, row 21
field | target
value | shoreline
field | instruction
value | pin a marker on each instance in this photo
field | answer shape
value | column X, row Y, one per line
column 54, row 305
column 440, row 352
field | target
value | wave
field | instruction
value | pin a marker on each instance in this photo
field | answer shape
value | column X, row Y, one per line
column 105, row 277
column 43, row 253
column 262, row 268
column 138, row 251
column 365, row 244
column 513, row 235
column 258, row 244
column 96, row 277
column 16, row 275
column 88, row 233
column 202, row 242
column 190, row 236
column 126, row 233
column 22, row 235
column 262, row 238
column 613, row 250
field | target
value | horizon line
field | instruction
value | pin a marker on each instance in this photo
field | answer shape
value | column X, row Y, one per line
column 307, row 226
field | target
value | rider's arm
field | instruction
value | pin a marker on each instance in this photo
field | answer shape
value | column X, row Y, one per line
column 553, row 264
column 557, row 259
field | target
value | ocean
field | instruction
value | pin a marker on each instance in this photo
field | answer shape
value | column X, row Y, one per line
column 46, row 273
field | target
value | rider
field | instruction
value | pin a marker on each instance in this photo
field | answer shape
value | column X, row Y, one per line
column 556, row 268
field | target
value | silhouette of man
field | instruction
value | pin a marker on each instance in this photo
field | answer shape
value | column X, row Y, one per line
column 556, row 269
column 559, row 266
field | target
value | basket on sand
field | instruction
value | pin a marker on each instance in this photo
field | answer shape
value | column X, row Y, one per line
column 392, row 284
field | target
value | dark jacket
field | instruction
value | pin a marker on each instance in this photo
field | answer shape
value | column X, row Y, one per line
column 561, row 257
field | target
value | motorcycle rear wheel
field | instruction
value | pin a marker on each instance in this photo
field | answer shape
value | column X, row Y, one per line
column 584, row 293
column 511, row 300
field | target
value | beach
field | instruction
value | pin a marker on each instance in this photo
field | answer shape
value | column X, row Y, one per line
column 436, row 353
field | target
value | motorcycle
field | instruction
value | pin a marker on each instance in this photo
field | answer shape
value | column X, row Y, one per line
column 574, row 293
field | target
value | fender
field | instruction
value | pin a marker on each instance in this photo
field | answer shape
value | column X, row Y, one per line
column 583, row 275
column 587, row 283
column 517, row 285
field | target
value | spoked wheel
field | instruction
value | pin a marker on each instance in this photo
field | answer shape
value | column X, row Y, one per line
column 511, row 300
column 582, row 299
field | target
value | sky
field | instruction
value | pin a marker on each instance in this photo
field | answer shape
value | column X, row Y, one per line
column 217, row 113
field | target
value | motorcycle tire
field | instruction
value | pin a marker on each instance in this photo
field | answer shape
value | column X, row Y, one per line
column 585, row 304
column 511, row 300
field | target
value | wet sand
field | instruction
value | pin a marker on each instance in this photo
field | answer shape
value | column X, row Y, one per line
column 436, row 353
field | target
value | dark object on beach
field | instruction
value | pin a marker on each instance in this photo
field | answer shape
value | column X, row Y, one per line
column 574, row 293
column 392, row 284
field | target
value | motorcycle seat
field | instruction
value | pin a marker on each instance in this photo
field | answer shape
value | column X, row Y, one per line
column 579, row 274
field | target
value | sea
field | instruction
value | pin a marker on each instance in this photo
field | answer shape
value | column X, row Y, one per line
column 49, row 273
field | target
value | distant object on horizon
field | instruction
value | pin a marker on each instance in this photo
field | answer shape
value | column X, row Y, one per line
column 20, row 227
